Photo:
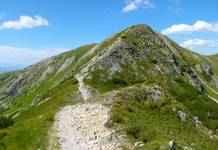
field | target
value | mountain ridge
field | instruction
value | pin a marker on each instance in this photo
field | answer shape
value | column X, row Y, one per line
column 136, row 72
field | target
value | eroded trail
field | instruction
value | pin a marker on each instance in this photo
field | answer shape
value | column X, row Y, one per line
column 82, row 127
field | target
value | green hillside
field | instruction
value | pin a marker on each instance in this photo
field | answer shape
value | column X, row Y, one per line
column 157, row 91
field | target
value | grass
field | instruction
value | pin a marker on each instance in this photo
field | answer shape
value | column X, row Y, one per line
column 102, row 83
column 206, row 77
column 30, row 128
column 211, row 93
column 198, row 104
column 156, row 125
column 23, row 101
column 143, row 120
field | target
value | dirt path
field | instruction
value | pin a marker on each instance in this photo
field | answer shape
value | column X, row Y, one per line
column 82, row 127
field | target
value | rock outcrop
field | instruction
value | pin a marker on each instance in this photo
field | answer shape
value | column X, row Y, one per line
column 13, row 89
column 66, row 64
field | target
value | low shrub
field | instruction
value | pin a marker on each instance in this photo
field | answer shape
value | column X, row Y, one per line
column 2, row 135
column 119, row 81
column 6, row 122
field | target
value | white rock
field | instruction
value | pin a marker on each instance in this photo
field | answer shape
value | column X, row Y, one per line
column 81, row 130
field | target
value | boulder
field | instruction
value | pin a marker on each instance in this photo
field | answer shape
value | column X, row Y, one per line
column 167, row 71
column 172, row 145
column 139, row 144
column 207, row 69
column 195, row 121
column 198, row 68
column 182, row 115
column 175, row 64
column 155, row 93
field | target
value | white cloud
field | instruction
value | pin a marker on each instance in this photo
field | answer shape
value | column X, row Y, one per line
column 25, row 22
column 132, row 5
column 185, row 28
column 12, row 56
column 200, row 43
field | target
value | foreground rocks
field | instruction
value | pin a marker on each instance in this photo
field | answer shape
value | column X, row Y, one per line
column 82, row 127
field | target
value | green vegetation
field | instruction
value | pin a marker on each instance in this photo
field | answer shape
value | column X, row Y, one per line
column 198, row 104
column 6, row 122
column 101, row 82
column 156, row 126
column 148, row 64
column 206, row 77
column 31, row 127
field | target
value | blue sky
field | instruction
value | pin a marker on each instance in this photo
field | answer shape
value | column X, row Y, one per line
column 32, row 30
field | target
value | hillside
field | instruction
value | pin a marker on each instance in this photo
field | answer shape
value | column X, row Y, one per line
column 138, row 89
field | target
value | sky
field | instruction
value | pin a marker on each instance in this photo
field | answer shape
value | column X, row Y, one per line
column 33, row 30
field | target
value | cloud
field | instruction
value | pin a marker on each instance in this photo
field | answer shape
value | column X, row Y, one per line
column 25, row 22
column 132, row 5
column 185, row 28
column 15, row 57
column 197, row 43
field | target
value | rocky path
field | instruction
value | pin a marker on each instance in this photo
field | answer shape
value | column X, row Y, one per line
column 82, row 127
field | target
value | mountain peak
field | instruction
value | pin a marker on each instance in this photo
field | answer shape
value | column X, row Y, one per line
column 158, row 94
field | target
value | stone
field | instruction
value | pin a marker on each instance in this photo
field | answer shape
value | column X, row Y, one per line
column 198, row 68
column 188, row 148
column 202, row 88
column 66, row 64
column 13, row 89
column 215, row 81
column 172, row 145
column 155, row 94
column 167, row 71
column 87, row 132
column 45, row 73
column 175, row 64
column 195, row 121
column 182, row 115
column 207, row 69
column 139, row 144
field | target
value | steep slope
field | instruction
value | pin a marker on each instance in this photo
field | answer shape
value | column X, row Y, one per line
column 172, row 83
column 157, row 94
column 39, row 91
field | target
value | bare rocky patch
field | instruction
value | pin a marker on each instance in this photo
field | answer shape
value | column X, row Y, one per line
column 84, row 127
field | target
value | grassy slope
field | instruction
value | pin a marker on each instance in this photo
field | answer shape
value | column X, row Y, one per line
column 194, row 58
column 214, row 59
column 157, row 124
column 31, row 127
column 153, row 124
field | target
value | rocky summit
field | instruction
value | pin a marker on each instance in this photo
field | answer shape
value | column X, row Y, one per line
column 135, row 90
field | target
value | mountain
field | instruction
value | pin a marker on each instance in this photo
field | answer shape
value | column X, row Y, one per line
column 147, row 91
